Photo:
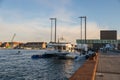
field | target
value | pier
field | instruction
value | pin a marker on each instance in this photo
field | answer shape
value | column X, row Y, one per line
column 104, row 66
column 87, row 71
column 108, row 66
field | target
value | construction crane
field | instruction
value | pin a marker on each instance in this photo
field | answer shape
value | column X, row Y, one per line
column 12, row 40
column 13, row 37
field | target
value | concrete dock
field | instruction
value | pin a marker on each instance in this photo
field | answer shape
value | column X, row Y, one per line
column 87, row 71
column 105, row 66
column 108, row 66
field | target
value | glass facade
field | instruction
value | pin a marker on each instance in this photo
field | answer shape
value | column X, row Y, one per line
column 91, row 41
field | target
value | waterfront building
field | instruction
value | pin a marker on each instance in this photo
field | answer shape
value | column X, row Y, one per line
column 35, row 45
column 106, row 37
column 28, row 45
column 98, row 43
column 0, row 43
column 10, row 44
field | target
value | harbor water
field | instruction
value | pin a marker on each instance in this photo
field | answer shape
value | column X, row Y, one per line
column 20, row 66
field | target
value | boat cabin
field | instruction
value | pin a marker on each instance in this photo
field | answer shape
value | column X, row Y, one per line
column 61, row 46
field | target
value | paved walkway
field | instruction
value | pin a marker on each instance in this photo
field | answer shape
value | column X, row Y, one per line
column 108, row 66
column 87, row 70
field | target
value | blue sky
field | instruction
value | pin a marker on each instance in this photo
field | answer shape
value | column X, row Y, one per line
column 29, row 19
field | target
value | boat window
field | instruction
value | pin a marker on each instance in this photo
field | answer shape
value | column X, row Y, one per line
column 64, row 48
column 59, row 48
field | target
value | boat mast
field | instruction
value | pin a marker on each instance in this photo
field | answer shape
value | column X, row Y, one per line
column 55, row 21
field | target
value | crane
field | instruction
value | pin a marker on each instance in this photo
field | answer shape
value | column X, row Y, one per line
column 12, row 40
column 13, row 37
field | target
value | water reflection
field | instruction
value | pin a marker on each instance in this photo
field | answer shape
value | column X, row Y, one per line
column 22, row 67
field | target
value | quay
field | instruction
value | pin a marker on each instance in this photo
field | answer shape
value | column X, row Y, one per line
column 104, row 66
column 87, row 70
column 108, row 66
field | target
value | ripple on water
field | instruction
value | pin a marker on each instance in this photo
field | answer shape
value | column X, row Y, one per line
column 22, row 67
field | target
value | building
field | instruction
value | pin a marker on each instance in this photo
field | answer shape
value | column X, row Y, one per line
column 0, row 43
column 106, row 37
column 35, row 45
column 96, row 43
column 10, row 44
column 28, row 45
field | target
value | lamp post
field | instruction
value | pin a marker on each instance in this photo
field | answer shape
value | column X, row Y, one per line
column 85, row 27
column 52, row 26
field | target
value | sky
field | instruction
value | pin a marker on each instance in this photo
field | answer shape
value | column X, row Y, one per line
column 30, row 19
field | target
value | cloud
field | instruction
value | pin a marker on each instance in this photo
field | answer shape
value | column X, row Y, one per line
column 38, row 29
column 28, row 31
column 71, row 33
column 55, row 4
column 34, row 31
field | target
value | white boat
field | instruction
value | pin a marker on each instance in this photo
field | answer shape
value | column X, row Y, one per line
column 62, row 50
